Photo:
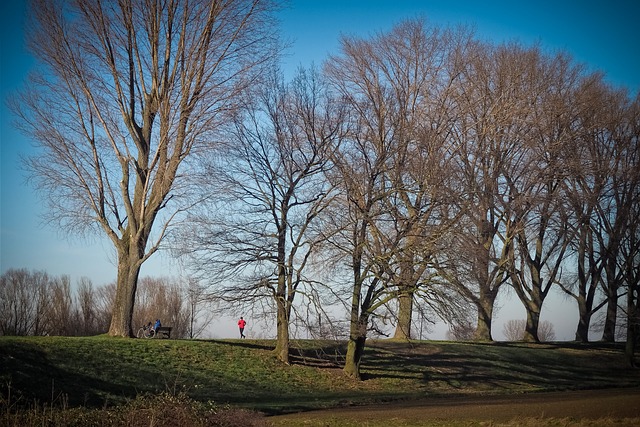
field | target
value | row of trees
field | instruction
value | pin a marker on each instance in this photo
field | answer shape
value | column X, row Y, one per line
column 425, row 164
column 34, row 303
column 418, row 165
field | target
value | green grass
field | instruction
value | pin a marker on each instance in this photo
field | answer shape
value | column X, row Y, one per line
column 101, row 371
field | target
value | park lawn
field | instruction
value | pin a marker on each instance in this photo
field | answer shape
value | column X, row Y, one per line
column 103, row 371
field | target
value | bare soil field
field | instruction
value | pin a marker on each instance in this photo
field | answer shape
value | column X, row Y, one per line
column 575, row 405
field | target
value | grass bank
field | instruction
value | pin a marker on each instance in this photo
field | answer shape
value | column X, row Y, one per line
column 99, row 372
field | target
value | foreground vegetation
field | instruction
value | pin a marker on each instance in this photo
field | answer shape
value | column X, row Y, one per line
column 103, row 375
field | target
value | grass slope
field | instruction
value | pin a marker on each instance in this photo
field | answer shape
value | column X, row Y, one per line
column 100, row 371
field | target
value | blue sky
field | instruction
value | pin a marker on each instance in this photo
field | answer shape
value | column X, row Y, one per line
column 603, row 35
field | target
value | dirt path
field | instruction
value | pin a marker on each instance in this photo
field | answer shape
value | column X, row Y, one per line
column 588, row 404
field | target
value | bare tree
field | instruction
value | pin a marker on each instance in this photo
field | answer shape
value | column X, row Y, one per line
column 586, row 191
column 391, row 171
column 359, row 245
column 200, row 313
column 258, row 235
column 615, row 212
column 24, row 302
column 630, row 245
column 105, row 299
column 62, row 313
column 546, row 333
column 363, row 75
column 353, row 236
column 129, row 97
column 487, row 139
column 413, row 67
column 538, row 213
column 632, row 278
column 513, row 329
column 86, row 300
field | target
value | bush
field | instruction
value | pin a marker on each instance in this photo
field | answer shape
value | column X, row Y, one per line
column 163, row 410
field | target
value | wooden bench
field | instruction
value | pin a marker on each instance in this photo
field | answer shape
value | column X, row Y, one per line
column 163, row 332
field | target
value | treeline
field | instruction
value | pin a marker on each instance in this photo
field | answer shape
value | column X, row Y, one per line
column 426, row 165
column 35, row 303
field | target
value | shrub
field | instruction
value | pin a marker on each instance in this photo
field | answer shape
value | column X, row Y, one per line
column 163, row 410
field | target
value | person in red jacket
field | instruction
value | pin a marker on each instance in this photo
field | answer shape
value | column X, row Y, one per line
column 241, row 325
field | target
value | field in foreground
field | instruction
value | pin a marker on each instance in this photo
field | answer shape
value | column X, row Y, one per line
column 100, row 372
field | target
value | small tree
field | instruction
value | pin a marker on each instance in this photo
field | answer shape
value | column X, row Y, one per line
column 514, row 330
column 461, row 331
column 546, row 332
column 200, row 314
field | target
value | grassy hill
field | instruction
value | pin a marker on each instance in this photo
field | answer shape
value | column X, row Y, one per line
column 103, row 371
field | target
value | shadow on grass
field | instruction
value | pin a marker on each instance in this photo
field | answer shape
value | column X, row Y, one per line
column 318, row 354
column 251, row 344
column 29, row 375
column 98, row 371
column 499, row 366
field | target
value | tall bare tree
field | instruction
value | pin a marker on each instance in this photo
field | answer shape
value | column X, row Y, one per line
column 630, row 245
column 200, row 313
column 129, row 97
column 361, row 167
column 615, row 213
column 358, row 243
column 256, row 239
column 388, row 170
column 414, row 66
column 587, row 190
column 538, row 214
column 487, row 136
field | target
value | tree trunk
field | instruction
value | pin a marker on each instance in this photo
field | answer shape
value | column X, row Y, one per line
column 531, row 327
column 609, row 333
column 127, row 284
column 282, row 339
column 485, row 315
column 633, row 327
column 630, row 345
column 357, row 328
column 487, row 294
column 534, row 306
column 483, row 329
column 405, row 311
column 355, row 349
column 584, row 320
